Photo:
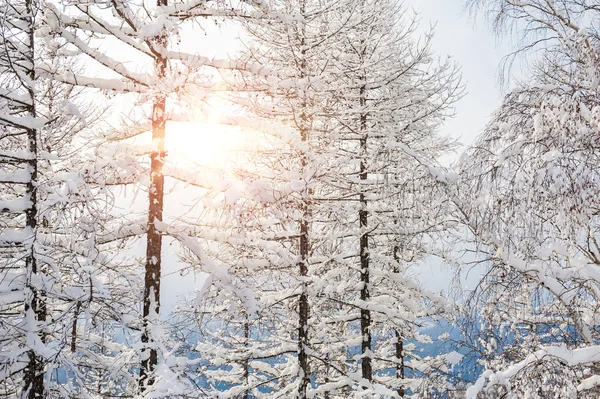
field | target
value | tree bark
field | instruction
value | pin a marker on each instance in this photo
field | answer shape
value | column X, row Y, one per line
column 399, row 343
column 74, row 327
column 34, row 372
column 246, row 359
column 400, row 357
column 363, row 215
column 303, row 313
column 303, row 305
column 151, row 308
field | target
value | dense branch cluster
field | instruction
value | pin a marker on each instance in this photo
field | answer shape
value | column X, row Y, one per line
column 536, row 222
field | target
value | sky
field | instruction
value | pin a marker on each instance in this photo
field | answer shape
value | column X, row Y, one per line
column 468, row 42
column 478, row 53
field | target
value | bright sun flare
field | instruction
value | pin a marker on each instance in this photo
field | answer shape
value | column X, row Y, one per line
column 208, row 144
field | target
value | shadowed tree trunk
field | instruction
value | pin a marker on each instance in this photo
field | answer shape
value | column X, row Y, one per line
column 399, row 343
column 303, row 312
column 363, row 215
column 400, row 357
column 303, row 306
column 246, row 359
column 20, row 50
column 154, row 236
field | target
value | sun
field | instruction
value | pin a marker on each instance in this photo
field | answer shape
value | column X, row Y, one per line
column 205, row 144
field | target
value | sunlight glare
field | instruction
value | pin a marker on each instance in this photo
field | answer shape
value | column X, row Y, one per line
column 207, row 144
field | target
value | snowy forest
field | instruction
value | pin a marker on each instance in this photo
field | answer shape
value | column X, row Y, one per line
column 187, row 216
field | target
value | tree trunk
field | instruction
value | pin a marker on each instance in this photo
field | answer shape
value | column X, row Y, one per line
column 34, row 371
column 399, row 343
column 303, row 306
column 365, row 314
column 246, row 359
column 74, row 327
column 400, row 357
column 151, row 309
column 303, row 313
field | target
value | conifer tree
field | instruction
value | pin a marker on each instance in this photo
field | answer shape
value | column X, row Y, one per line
column 49, row 261
column 151, row 38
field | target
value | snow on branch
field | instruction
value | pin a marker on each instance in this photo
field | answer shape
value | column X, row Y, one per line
column 197, row 8
column 220, row 273
column 23, row 122
column 116, row 85
column 15, row 206
column 438, row 174
column 133, row 229
column 575, row 357
column 13, row 236
column 105, row 60
column 18, row 155
column 17, row 176
column 95, row 24
column 194, row 60
column 12, row 96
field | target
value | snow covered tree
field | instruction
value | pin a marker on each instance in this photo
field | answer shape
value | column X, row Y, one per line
column 20, row 125
column 49, row 215
column 146, row 38
column 536, row 163
column 76, row 25
column 394, row 98
column 297, row 49
column 541, row 288
column 314, row 213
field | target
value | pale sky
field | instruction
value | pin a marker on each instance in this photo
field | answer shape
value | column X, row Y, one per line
column 470, row 43
column 476, row 51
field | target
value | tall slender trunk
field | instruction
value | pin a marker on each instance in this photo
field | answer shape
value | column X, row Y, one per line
column 363, row 215
column 400, row 357
column 151, row 309
column 34, row 371
column 74, row 327
column 399, row 342
column 303, row 306
column 327, row 370
column 303, row 312
column 246, row 364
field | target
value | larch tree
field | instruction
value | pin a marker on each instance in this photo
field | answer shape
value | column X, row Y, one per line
column 20, row 125
column 405, row 97
column 393, row 98
column 49, row 213
column 145, row 62
column 297, row 48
